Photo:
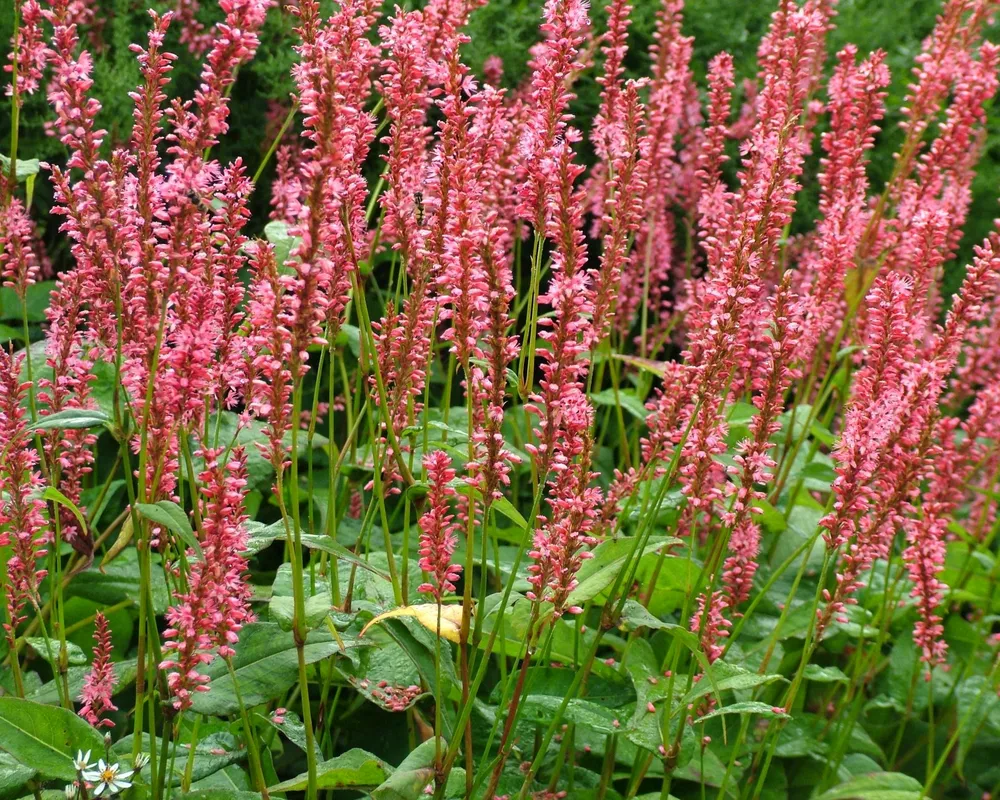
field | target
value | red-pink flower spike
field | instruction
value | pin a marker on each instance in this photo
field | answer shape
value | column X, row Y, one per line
column 68, row 90
column 568, row 333
column 207, row 618
column 873, row 408
column 99, row 683
column 607, row 125
column 68, row 452
column 21, row 509
column 269, row 349
column 192, row 32
column 18, row 262
column 942, row 180
column 560, row 545
column 554, row 62
column 720, row 337
column 652, row 259
column 754, row 463
column 460, row 280
column 713, row 195
column 406, row 102
column 490, row 472
column 711, row 624
column 949, row 467
column 626, row 193
column 957, row 28
column 437, row 528
column 333, row 82
column 199, row 124
column 30, row 49
column 856, row 105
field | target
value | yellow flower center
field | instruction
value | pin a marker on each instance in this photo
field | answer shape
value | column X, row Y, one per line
column 108, row 775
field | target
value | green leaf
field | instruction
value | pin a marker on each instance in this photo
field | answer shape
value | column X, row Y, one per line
column 412, row 776
column 506, row 508
column 818, row 674
column 23, row 168
column 71, row 419
column 171, row 516
column 53, row 494
column 824, row 474
column 977, row 701
column 49, row 692
column 316, row 609
column 634, row 615
column 35, row 303
column 723, row 676
column 609, row 559
column 658, row 368
column 120, row 581
column 595, row 718
column 748, row 707
column 44, row 647
column 356, row 769
column 327, row 545
column 276, row 232
column 45, row 737
column 232, row 779
column 219, row 793
column 261, row 536
column 880, row 786
column 266, row 665
column 293, row 729
column 213, row 752
column 626, row 399
column 13, row 774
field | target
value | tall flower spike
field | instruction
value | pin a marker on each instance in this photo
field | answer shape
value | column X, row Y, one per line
column 406, row 102
column 554, row 62
column 720, row 333
column 21, row 509
column 649, row 269
column 627, row 189
column 18, row 262
column 207, row 618
column 607, row 124
column 30, row 49
column 99, row 684
column 437, row 528
column 856, row 105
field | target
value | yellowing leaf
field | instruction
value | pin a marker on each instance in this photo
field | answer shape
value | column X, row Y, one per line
column 427, row 615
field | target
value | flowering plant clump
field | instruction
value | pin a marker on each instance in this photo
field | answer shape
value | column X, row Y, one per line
column 619, row 432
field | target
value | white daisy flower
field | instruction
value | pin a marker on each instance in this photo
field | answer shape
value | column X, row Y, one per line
column 108, row 779
column 82, row 761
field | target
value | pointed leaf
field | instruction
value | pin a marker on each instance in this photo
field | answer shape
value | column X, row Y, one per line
column 45, row 737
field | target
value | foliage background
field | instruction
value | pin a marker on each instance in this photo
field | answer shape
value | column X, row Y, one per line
column 506, row 28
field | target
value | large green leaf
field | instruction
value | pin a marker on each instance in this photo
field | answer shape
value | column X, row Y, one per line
column 748, row 707
column 13, row 774
column 410, row 779
column 723, row 676
column 71, row 419
column 171, row 516
column 218, row 793
column 356, row 769
column 45, row 737
column 609, row 559
column 266, row 665
column 880, row 786
column 119, row 581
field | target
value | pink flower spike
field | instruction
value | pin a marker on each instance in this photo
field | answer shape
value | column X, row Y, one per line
column 437, row 528
column 99, row 684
